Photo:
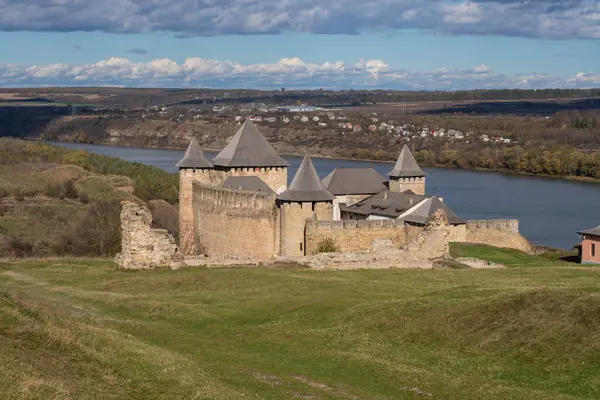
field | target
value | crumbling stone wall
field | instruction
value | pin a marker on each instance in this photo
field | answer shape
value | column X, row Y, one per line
column 498, row 233
column 434, row 240
column 236, row 223
column 143, row 247
column 354, row 235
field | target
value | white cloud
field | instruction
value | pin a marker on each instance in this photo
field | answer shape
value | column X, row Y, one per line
column 532, row 18
column 290, row 72
column 462, row 13
column 482, row 69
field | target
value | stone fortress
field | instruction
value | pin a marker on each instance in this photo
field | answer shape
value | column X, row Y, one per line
column 239, row 206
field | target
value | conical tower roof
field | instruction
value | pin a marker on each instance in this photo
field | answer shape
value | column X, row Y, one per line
column 194, row 157
column 427, row 208
column 306, row 185
column 406, row 166
column 248, row 148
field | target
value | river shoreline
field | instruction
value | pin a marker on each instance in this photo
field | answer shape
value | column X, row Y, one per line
column 476, row 169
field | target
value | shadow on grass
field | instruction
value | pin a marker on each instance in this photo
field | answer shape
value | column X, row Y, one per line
column 570, row 259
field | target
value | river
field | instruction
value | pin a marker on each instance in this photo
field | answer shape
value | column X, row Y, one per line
column 550, row 211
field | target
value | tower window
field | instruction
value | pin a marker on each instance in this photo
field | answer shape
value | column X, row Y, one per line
column 301, row 247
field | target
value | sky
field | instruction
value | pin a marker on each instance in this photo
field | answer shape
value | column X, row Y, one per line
column 334, row 44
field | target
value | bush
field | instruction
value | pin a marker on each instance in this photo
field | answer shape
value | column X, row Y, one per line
column 14, row 247
column 84, row 198
column 70, row 189
column 98, row 233
column 55, row 190
column 327, row 245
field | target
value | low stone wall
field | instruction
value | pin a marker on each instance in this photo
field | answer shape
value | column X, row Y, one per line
column 143, row 247
column 354, row 235
column 236, row 223
column 498, row 233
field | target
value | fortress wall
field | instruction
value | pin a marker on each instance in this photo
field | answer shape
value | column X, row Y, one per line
column 236, row 223
column 275, row 177
column 417, row 185
column 354, row 235
column 186, row 210
column 498, row 233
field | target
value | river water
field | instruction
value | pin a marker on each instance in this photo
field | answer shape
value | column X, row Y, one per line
column 550, row 211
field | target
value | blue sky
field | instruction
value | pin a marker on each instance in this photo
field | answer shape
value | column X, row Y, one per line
column 396, row 44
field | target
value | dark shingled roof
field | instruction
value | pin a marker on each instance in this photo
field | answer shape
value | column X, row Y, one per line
column 248, row 183
column 306, row 185
column 385, row 203
column 425, row 209
column 406, row 166
column 344, row 181
column 248, row 148
column 594, row 231
column 194, row 157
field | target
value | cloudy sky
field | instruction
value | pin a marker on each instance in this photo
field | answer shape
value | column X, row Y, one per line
column 396, row 44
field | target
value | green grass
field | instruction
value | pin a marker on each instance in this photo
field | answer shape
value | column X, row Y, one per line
column 80, row 329
column 509, row 257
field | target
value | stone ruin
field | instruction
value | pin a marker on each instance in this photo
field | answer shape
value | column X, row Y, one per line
column 142, row 246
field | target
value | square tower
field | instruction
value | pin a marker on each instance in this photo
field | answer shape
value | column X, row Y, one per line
column 406, row 174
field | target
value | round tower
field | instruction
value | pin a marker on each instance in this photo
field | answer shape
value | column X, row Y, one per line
column 193, row 166
column 305, row 198
column 406, row 174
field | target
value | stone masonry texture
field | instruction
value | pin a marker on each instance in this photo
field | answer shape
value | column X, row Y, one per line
column 498, row 233
column 143, row 247
column 236, row 223
column 275, row 178
column 417, row 185
column 354, row 235
column 294, row 217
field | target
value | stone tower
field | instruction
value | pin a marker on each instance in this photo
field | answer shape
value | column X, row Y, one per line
column 249, row 154
column 193, row 166
column 406, row 174
column 306, row 198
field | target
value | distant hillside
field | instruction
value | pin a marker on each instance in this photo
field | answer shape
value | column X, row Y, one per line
column 132, row 97
column 55, row 201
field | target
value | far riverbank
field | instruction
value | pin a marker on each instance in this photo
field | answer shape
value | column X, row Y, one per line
column 367, row 160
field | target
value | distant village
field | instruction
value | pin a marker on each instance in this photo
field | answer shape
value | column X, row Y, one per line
column 308, row 117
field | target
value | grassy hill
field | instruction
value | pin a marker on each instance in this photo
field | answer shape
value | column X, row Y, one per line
column 56, row 201
column 80, row 329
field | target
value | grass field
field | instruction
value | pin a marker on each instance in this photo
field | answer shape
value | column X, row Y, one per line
column 79, row 329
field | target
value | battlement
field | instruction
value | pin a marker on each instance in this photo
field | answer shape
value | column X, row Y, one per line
column 218, row 197
column 250, row 170
column 408, row 179
column 499, row 233
column 507, row 225
column 354, row 224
